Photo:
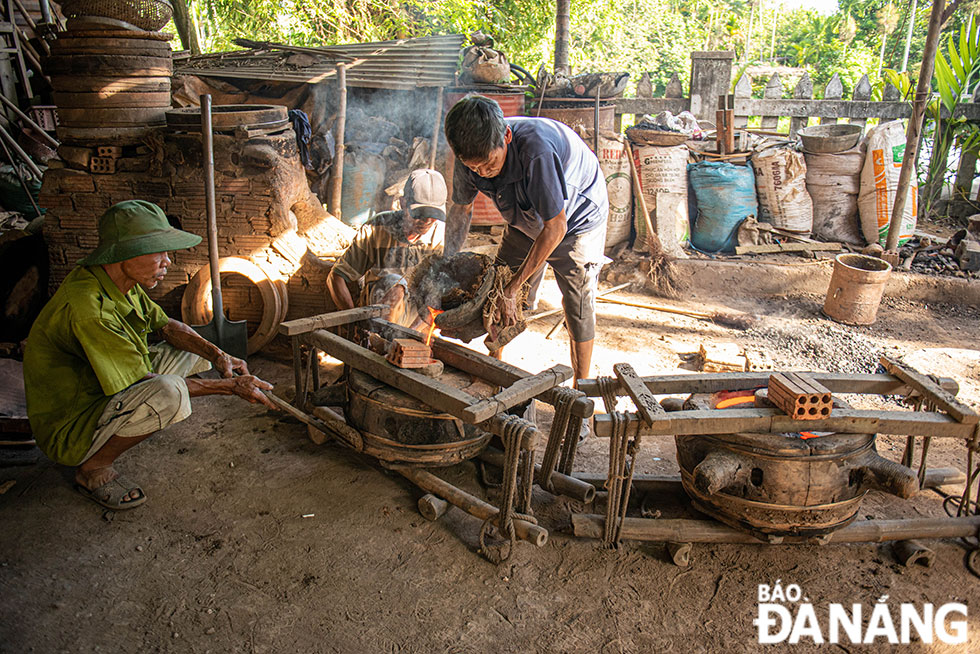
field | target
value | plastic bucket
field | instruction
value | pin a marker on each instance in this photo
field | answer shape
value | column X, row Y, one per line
column 856, row 288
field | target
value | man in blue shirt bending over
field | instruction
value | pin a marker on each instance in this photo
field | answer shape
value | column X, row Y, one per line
column 548, row 186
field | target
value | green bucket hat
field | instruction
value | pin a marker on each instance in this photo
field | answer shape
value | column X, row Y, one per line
column 134, row 228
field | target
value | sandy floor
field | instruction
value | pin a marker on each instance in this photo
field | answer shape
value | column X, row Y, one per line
column 256, row 540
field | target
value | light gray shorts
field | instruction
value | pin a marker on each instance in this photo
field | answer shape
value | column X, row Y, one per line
column 151, row 405
column 576, row 261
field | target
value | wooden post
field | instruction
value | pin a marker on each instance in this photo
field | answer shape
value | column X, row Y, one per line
column 923, row 91
column 711, row 76
column 337, row 181
column 803, row 91
column 563, row 17
column 965, row 173
column 743, row 89
column 774, row 91
column 186, row 30
column 834, row 91
column 862, row 93
column 436, row 124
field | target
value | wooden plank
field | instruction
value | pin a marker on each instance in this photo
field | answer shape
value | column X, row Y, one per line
column 773, row 91
column 333, row 319
column 743, row 89
column 932, row 391
column 585, row 525
column 520, row 391
column 729, row 421
column 834, row 91
column 773, row 248
column 479, row 365
column 739, row 381
column 431, row 391
column 644, row 400
column 862, row 92
column 803, row 91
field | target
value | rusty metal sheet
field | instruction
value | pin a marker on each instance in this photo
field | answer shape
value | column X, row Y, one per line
column 401, row 64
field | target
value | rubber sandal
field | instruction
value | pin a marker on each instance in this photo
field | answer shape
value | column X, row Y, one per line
column 111, row 494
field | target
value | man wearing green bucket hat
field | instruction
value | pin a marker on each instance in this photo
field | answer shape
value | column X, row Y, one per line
column 95, row 388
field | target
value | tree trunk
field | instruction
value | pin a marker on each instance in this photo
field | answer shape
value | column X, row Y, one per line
column 908, row 36
column 881, row 53
column 562, row 28
column 185, row 27
column 748, row 34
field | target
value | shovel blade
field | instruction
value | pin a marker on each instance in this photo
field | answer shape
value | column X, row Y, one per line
column 230, row 336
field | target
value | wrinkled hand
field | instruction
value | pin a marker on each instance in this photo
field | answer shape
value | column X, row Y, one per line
column 506, row 312
column 227, row 365
column 250, row 387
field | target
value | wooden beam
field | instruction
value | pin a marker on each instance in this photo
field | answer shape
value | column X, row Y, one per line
column 644, row 400
column 586, row 525
column 731, row 421
column 738, row 381
column 520, row 391
column 478, row 364
column 661, row 484
column 932, row 391
column 333, row 319
column 773, row 248
column 431, row 391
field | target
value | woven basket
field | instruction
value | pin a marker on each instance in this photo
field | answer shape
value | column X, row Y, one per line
column 147, row 15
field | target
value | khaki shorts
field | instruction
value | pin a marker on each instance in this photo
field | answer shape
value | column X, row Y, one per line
column 149, row 406
column 576, row 262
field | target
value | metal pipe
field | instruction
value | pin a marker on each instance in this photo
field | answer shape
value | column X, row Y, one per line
column 532, row 533
column 433, row 151
column 20, row 178
column 207, row 138
column 50, row 139
column 20, row 152
column 337, row 181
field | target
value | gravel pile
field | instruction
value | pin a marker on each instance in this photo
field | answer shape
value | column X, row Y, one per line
column 817, row 345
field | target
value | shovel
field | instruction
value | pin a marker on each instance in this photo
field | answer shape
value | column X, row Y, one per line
column 230, row 336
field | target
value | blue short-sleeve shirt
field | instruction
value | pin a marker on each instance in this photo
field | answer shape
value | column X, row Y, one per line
column 548, row 168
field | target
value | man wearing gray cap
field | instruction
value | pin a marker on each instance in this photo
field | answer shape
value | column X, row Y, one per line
column 386, row 249
column 95, row 388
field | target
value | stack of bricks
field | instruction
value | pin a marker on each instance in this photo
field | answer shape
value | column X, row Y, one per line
column 799, row 396
column 408, row 353
column 259, row 184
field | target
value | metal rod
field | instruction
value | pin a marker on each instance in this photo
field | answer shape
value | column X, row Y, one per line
column 337, row 181
column 20, row 152
column 50, row 139
column 437, row 123
column 207, row 138
column 20, row 177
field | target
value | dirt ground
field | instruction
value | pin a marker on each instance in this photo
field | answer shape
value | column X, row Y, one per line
column 256, row 540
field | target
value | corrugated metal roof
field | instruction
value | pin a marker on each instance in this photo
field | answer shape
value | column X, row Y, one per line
column 400, row 64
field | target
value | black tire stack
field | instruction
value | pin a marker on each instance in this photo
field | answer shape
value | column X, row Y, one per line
column 110, row 85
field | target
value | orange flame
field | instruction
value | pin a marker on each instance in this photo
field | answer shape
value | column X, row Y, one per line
column 432, row 323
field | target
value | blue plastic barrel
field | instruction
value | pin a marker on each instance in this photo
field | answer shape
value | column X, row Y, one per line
column 725, row 195
column 364, row 178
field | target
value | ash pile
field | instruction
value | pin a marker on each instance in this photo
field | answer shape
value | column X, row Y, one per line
column 959, row 256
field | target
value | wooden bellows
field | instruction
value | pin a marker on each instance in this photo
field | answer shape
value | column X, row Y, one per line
column 799, row 396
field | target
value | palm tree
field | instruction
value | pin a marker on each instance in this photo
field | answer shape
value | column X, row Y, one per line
column 887, row 22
